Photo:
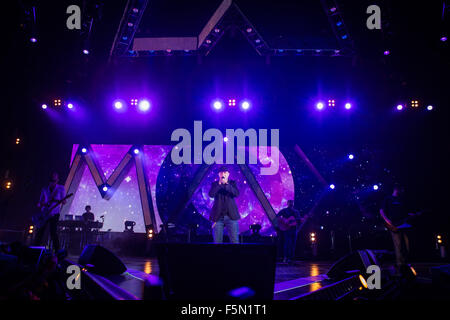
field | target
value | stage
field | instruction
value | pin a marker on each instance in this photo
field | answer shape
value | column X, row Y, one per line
column 294, row 281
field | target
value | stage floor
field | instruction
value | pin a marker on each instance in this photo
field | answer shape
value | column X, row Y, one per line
column 299, row 277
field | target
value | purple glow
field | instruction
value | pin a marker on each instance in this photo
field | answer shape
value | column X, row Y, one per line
column 430, row 107
column 348, row 106
column 375, row 187
column 83, row 150
column 387, row 52
column 332, row 186
column 44, row 106
column 319, row 106
column 33, row 40
column 144, row 105
column 85, row 51
column 136, row 151
column 70, row 105
column 351, row 156
column 444, row 38
column 400, row 107
column 125, row 203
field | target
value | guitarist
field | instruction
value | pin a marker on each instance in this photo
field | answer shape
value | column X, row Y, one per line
column 51, row 194
column 394, row 214
column 289, row 233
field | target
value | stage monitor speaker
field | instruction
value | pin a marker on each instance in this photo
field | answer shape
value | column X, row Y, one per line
column 359, row 261
column 207, row 271
column 104, row 262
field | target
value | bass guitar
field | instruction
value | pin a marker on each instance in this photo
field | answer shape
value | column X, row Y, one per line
column 43, row 215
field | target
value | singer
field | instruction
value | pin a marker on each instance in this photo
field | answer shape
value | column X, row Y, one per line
column 224, row 212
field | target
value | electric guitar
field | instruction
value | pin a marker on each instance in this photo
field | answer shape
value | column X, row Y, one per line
column 43, row 215
column 403, row 225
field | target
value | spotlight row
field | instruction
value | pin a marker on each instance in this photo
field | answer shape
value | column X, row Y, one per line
column 331, row 103
column 219, row 105
column 142, row 105
column 414, row 104
column 58, row 104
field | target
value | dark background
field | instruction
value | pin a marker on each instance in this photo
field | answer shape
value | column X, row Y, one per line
column 410, row 145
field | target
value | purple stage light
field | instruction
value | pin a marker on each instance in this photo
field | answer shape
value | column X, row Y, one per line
column 85, row 51
column 386, row 52
column 134, row 102
column 118, row 105
column 245, row 105
column 351, row 156
column 375, row 187
column 319, row 105
column 348, row 106
column 225, row 139
column 83, row 150
column 444, row 38
column 136, row 151
column 44, row 106
column 430, row 107
column 332, row 186
column 217, row 105
column 33, row 40
column 105, row 188
column 400, row 107
column 144, row 105
column 70, row 105
column 231, row 102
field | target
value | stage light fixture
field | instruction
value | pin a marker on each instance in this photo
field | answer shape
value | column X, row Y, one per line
column 44, row 106
column 331, row 103
column 231, row 102
column 430, row 107
column 70, row 105
column 136, row 151
column 85, row 51
column 17, row 140
column 144, row 105
column 348, row 106
column 105, row 188
column 386, row 52
column 351, row 156
column 134, row 102
column 83, row 150
column 33, row 40
column 216, row 30
column 332, row 186
column 375, row 187
column 414, row 103
column 249, row 30
column 57, row 102
column 245, row 105
column 208, row 41
column 118, row 104
column 444, row 38
column 225, row 139
column 399, row 107
column 218, row 105
column 319, row 106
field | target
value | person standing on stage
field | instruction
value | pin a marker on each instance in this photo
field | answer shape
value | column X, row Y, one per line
column 288, row 237
column 88, row 215
column 224, row 212
column 394, row 214
column 51, row 194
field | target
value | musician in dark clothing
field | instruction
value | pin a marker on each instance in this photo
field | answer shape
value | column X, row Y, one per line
column 394, row 213
column 50, row 195
column 288, row 237
column 88, row 215
column 224, row 212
